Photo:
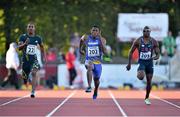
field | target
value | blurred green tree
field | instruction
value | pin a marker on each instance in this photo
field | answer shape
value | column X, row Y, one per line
column 56, row 20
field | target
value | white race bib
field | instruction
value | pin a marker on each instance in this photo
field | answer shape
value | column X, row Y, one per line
column 145, row 55
column 31, row 49
column 93, row 51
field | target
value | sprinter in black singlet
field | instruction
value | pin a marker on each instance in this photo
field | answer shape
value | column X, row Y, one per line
column 146, row 46
column 28, row 43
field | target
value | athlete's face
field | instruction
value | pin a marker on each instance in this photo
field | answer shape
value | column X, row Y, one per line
column 146, row 32
column 31, row 29
column 95, row 32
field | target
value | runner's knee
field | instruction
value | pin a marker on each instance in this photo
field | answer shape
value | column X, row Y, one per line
column 34, row 73
column 96, row 78
column 89, row 68
column 140, row 75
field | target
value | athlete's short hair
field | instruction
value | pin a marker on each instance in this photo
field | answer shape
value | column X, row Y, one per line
column 146, row 28
column 95, row 26
column 31, row 23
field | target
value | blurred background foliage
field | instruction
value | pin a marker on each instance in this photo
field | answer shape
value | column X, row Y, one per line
column 56, row 20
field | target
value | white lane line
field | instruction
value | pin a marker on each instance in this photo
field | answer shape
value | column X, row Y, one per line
column 61, row 104
column 117, row 104
column 14, row 100
column 172, row 104
column 154, row 96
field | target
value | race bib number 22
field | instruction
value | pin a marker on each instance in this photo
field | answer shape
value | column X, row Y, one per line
column 31, row 49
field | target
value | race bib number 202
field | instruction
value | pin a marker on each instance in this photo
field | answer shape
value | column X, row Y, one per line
column 31, row 49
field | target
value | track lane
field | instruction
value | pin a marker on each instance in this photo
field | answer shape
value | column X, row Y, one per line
column 10, row 96
column 170, row 96
column 133, row 104
column 82, row 104
column 44, row 102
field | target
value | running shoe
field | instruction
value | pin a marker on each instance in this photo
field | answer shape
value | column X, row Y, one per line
column 72, row 87
column 147, row 101
column 88, row 90
column 32, row 94
column 94, row 96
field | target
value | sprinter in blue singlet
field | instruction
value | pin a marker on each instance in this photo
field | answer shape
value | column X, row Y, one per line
column 146, row 46
column 93, row 46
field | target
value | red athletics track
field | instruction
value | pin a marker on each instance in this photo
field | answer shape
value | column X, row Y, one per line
column 79, row 103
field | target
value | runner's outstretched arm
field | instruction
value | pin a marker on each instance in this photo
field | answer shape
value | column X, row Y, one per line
column 43, row 53
column 133, row 47
column 156, row 50
column 103, row 42
column 82, row 45
column 21, row 44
